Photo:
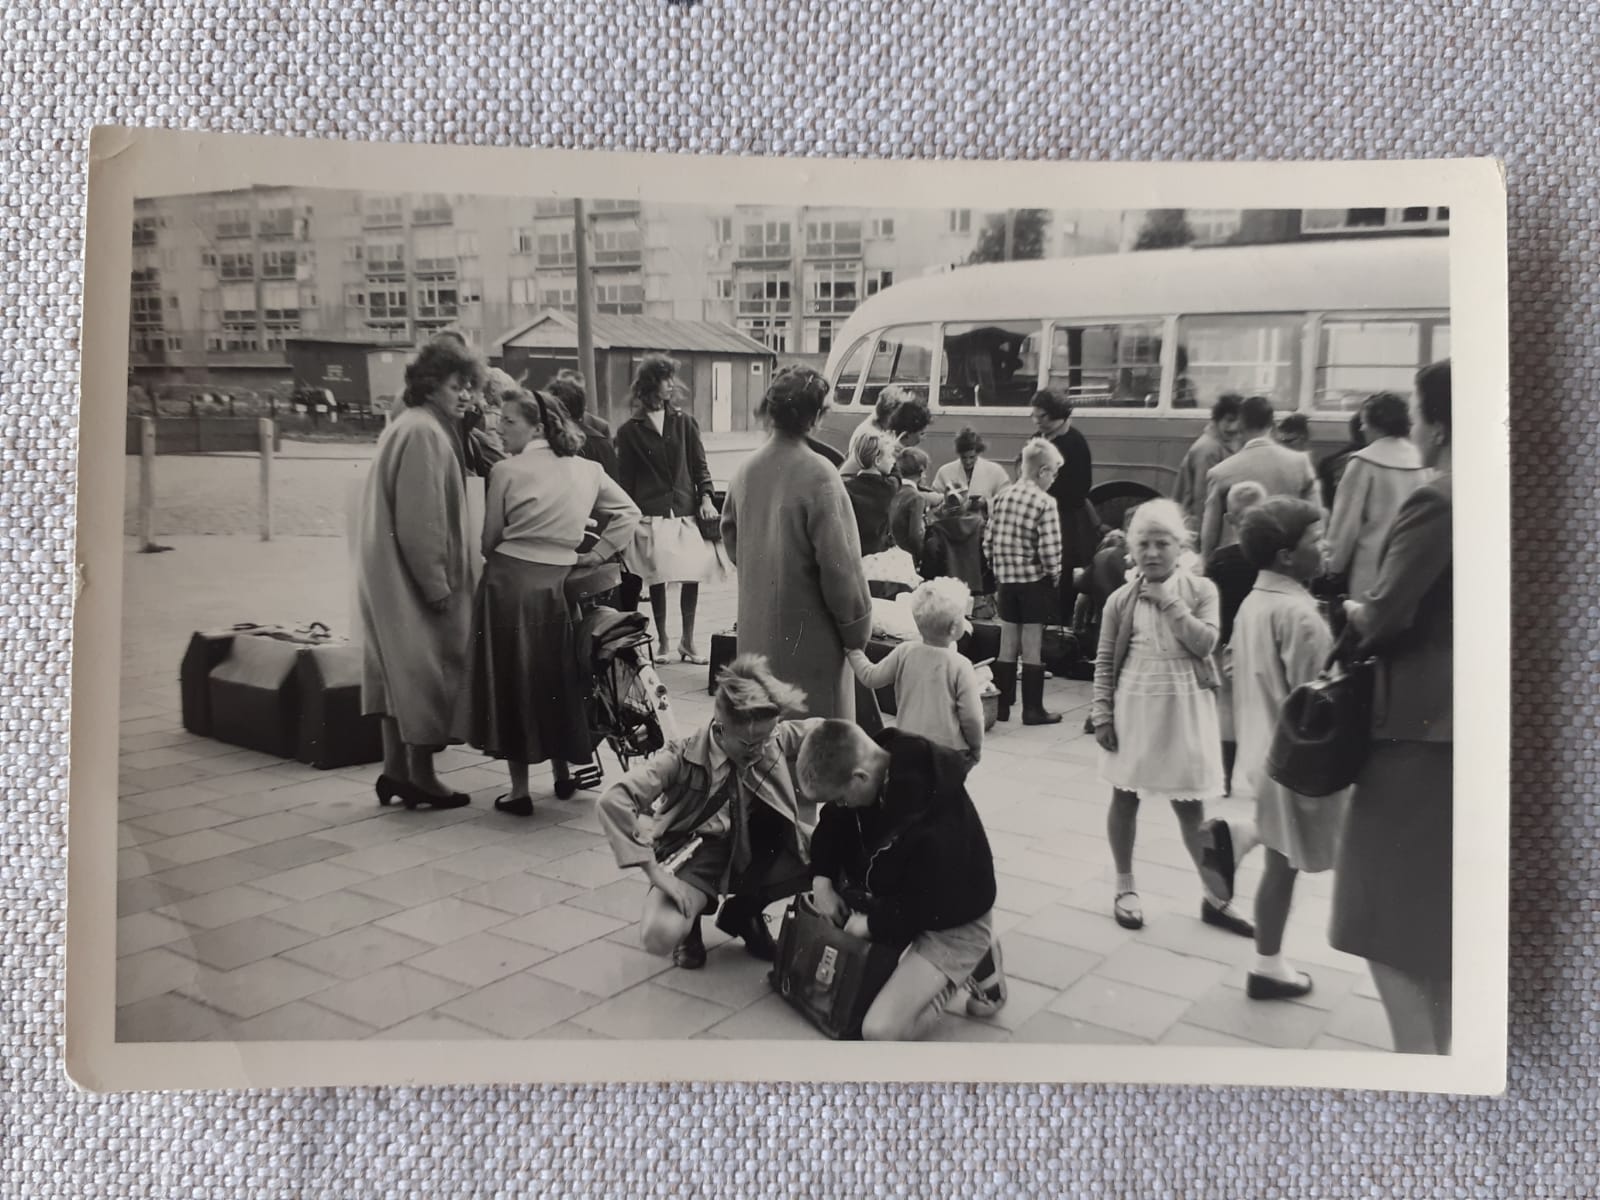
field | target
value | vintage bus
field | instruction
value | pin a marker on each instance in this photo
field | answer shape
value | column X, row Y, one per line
column 1145, row 342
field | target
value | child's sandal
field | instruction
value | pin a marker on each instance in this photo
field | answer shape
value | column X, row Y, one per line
column 1125, row 907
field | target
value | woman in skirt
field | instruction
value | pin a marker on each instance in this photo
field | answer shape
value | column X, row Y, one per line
column 527, row 705
column 661, row 463
column 1155, row 704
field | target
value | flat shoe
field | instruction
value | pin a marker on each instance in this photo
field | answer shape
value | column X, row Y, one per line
column 1270, row 987
column 416, row 797
column 522, row 806
column 1125, row 908
column 387, row 788
column 1223, row 917
column 690, row 954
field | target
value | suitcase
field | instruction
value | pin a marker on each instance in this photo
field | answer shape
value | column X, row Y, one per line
column 206, row 651
column 254, row 696
column 982, row 644
column 332, row 731
column 724, row 649
column 826, row 975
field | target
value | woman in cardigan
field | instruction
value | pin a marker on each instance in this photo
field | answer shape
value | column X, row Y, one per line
column 414, row 577
column 1392, row 883
column 661, row 464
column 527, row 702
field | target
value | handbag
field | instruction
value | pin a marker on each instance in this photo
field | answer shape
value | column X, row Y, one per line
column 710, row 527
column 1324, row 729
column 828, row 976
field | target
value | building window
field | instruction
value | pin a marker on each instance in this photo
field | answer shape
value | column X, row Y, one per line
column 557, row 250
column 280, row 303
column 386, row 258
column 722, row 230
column 832, row 291
column 764, row 294
column 308, row 298
column 522, row 292
column 146, row 312
column 144, row 230
column 960, row 220
column 472, row 291
column 878, row 280
column 766, row 240
column 722, row 287
column 619, row 299
column 833, row 239
column 819, row 336
column 523, row 241
column 618, row 247
column 883, row 229
column 277, row 264
column 436, row 301
column 233, row 223
column 386, row 304
column 774, row 335
column 1361, row 220
column 563, row 298
column 552, row 208
column 237, row 266
column 174, row 342
column 434, row 252
column 354, row 252
column 383, row 212
column 432, row 210
column 275, row 223
column 208, row 258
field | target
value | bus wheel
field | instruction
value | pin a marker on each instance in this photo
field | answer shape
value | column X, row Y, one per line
column 1114, row 500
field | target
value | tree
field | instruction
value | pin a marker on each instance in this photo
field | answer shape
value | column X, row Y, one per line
column 1027, row 236
column 1164, row 227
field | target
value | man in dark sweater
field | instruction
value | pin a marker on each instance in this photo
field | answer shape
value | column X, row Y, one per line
column 899, row 856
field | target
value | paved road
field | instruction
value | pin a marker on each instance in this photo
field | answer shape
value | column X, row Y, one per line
column 259, row 899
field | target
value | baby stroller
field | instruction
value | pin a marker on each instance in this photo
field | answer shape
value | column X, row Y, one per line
column 627, row 706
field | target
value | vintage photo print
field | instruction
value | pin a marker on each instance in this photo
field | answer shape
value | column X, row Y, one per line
column 581, row 617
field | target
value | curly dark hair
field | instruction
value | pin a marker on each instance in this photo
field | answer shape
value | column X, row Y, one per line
column 653, row 385
column 1387, row 414
column 570, row 391
column 969, row 439
column 544, row 412
column 1227, row 406
column 795, row 400
column 1053, row 404
column 434, row 364
column 909, row 417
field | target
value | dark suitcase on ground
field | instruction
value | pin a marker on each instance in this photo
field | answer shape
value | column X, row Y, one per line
column 982, row 644
column 206, row 651
column 724, row 649
column 255, row 696
column 826, row 975
column 332, row 731
column 1063, row 655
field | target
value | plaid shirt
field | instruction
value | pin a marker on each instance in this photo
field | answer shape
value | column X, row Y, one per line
column 1023, row 537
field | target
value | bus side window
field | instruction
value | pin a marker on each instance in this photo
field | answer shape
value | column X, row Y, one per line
column 902, row 356
column 1357, row 357
column 1256, row 354
column 1107, row 366
column 993, row 365
column 844, row 388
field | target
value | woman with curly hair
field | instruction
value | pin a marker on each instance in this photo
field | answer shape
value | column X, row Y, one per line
column 789, row 525
column 661, row 464
column 527, row 698
column 415, row 577
column 900, row 413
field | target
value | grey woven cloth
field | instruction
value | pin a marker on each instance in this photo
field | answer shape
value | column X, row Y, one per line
column 1117, row 79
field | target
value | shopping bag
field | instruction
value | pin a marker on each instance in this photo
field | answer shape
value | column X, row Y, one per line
column 828, row 976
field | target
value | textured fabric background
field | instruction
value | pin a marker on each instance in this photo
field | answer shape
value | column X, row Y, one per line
column 1117, row 79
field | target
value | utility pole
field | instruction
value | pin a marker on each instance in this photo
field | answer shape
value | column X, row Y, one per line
column 580, row 241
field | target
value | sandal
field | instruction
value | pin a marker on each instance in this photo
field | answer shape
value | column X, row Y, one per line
column 1125, row 908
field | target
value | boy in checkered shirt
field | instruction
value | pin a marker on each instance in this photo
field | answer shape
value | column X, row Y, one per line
column 1023, row 544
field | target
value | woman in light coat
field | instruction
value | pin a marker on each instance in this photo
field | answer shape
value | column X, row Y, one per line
column 1376, row 481
column 789, row 526
column 415, row 577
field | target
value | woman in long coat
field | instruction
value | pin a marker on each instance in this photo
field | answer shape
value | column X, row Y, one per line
column 789, row 526
column 415, row 577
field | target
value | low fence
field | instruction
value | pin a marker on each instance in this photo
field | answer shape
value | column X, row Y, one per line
column 144, row 437
column 200, row 435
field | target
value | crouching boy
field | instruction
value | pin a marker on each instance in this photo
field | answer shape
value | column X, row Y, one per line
column 899, row 856
column 718, row 814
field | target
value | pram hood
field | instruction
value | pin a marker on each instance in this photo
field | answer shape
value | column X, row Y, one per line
column 605, row 631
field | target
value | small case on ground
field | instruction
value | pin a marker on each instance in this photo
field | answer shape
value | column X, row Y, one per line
column 207, row 649
column 254, row 701
column 825, row 974
column 724, row 649
column 332, row 730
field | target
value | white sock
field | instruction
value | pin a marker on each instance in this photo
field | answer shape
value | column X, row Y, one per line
column 1275, row 966
column 1125, row 883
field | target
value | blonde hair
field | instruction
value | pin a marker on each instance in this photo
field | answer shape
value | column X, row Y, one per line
column 873, row 446
column 1038, row 454
column 748, row 691
column 1159, row 516
column 944, row 601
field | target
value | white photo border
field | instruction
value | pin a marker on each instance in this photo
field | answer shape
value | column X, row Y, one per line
column 130, row 163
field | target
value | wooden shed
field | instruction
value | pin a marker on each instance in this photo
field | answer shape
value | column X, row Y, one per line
column 726, row 371
column 361, row 375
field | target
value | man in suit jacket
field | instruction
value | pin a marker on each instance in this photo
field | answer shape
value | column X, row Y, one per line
column 1280, row 470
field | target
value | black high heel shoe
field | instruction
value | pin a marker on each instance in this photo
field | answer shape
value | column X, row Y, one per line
column 415, row 797
column 387, row 789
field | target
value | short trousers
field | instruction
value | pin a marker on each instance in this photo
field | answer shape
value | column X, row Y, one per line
column 958, row 951
column 1032, row 603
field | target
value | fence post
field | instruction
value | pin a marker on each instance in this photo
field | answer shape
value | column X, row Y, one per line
column 147, row 483
column 264, row 432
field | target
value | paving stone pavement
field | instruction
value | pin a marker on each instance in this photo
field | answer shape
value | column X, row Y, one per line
column 259, row 899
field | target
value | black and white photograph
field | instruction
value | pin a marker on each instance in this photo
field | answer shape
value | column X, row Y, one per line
column 614, row 600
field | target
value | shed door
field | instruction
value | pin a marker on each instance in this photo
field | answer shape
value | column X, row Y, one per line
column 721, row 397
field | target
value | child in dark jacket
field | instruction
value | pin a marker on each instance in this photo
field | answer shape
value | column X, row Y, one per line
column 899, row 855
column 953, row 544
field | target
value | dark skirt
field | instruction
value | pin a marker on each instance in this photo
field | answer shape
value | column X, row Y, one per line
column 527, row 702
column 1392, row 880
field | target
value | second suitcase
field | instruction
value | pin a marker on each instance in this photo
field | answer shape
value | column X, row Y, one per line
column 332, row 730
column 253, row 693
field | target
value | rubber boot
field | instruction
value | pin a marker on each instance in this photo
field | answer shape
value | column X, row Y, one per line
column 1033, row 712
column 1005, row 678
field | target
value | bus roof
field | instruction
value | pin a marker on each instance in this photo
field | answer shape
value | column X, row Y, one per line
column 1336, row 275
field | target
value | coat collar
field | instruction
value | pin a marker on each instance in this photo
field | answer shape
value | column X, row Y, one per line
column 1272, row 581
column 1393, row 452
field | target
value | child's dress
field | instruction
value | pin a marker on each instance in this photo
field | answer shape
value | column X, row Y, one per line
column 1169, row 745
